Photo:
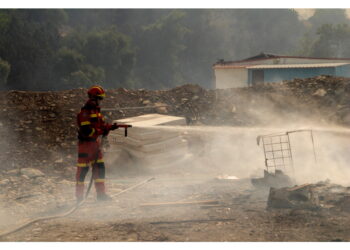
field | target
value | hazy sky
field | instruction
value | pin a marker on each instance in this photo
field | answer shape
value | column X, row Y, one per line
column 306, row 13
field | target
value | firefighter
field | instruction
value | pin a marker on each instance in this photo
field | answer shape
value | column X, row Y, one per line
column 92, row 126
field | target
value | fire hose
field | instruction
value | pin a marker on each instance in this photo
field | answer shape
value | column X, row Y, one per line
column 76, row 206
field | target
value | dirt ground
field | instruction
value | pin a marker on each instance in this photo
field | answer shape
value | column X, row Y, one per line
column 237, row 212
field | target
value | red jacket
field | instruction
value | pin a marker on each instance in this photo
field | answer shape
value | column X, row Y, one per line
column 91, row 122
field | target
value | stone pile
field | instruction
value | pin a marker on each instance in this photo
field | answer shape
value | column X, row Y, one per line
column 322, row 99
column 39, row 128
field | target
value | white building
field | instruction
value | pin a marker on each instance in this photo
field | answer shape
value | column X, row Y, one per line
column 275, row 68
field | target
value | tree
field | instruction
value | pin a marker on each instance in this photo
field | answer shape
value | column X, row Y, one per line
column 111, row 51
column 153, row 48
column 85, row 77
column 270, row 30
column 73, row 72
column 327, row 16
column 68, row 61
column 325, row 34
column 305, row 45
column 333, row 41
column 158, row 62
column 105, row 56
column 128, row 21
column 29, row 41
column 206, row 41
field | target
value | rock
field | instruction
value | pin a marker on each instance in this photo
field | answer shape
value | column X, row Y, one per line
column 59, row 160
column 22, row 107
column 161, row 107
column 146, row 102
column 194, row 98
column 13, row 172
column 14, row 178
column 39, row 180
column 31, row 172
column 301, row 197
column 344, row 203
column 320, row 92
column 162, row 110
column 184, row 100
column 25, row 177
column 234, row 109
column 4, row 182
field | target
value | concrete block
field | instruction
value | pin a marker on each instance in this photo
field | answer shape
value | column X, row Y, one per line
column 147, row 143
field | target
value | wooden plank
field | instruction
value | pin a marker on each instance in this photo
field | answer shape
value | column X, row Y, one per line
column 193, row 221
column 298, row 187
column 213, row 206
column 179, row 203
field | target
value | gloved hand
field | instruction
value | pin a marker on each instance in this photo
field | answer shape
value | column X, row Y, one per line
column 114, row 126
column 105, row 132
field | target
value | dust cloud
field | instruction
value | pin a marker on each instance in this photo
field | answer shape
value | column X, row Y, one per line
column 225, row 151
column 234, row 151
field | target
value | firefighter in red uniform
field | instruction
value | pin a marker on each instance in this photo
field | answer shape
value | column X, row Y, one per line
column 92, row 125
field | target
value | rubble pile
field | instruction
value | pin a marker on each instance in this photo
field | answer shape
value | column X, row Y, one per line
column 39, row 128
column 323, row 99
column 321, row 195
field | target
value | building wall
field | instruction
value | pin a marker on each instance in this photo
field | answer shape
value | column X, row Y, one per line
column 242, row 77
column 277, row 75
column 343, row 71
column 231, row 78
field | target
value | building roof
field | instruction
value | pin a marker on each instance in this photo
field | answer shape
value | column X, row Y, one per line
column 281, row 66
column 264, row 56
column 304, row 65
